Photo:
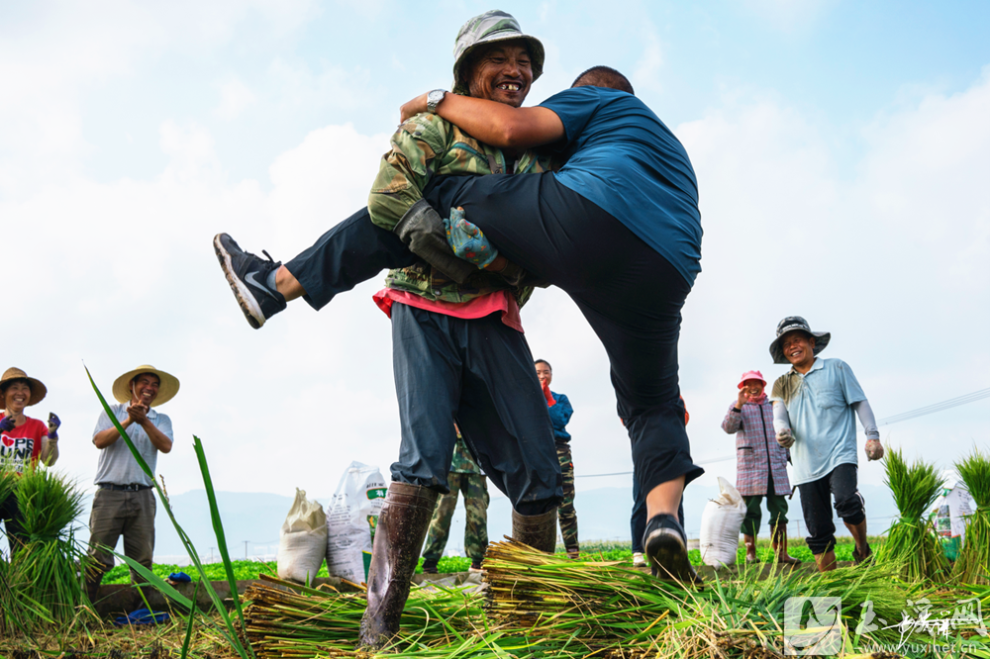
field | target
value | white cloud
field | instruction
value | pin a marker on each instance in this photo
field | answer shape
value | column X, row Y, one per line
column 235, row 96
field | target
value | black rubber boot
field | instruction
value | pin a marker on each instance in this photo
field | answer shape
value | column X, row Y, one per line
column 666, row 550
column 430, row 565
column 399, row 536
column 537, row 531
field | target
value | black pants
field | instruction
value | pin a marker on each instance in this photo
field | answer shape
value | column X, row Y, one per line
column 352, row 252
column 631, row 296
column 10, row 514
column 479, row 373
column 815, row 503
column 637, row 520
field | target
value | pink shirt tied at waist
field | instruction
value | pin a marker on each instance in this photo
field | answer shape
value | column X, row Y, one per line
column 500, row 301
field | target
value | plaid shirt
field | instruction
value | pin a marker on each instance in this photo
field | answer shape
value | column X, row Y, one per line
column 754, row 436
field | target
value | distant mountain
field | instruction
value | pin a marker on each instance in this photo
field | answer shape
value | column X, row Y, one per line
column 603, row 514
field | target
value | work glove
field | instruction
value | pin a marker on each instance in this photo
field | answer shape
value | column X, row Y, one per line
column 785, row 438
column 874, row 449
column 7, row 424
column 53, row 425
column 551, row 401
column 467, row 240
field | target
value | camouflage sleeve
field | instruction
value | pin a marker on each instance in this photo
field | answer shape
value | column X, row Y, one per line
column 406, row 168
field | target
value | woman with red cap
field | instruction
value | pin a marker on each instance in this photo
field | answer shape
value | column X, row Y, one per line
column 761, row 464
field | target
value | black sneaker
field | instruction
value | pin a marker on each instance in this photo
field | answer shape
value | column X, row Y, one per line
column 666, row 550
column 247, row 275
column 430, row 565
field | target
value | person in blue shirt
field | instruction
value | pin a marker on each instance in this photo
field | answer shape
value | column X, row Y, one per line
column 618, row 228
column 561, row 411
column 814, row 408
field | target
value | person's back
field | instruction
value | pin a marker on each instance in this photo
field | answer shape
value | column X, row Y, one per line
column 620, row 156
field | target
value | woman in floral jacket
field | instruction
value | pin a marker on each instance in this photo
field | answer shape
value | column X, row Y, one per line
column 761, row 464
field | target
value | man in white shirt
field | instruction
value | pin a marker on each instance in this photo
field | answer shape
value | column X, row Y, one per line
column 124, row 503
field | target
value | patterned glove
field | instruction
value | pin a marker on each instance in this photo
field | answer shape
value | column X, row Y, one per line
column 467, row 240
column 7, row 424
column 785, row 438
column 53, row 425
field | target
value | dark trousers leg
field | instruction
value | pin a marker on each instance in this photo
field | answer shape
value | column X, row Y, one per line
column 751, row 522
column 10, row 514
column 480, row 374
column 352, row 252
column 630, row 295
column 816, row 500
column 849, row 504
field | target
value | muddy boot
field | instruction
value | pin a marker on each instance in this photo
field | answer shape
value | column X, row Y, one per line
column 399, row 536
column 862, row 551
column 826, row 562
column 666, row 550
column 780, row 547
column 574, row 553
column 537, row 531
column 750, row 542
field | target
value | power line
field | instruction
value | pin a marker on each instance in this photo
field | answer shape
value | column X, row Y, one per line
column 937, row 407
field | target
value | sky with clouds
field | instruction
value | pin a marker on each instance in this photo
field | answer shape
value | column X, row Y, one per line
column 842, row 151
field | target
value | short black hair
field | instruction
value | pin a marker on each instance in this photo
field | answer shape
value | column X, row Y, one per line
column 543, row 361
column 604, row 76
column 6, row 385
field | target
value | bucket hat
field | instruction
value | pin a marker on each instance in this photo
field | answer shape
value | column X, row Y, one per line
column 488, row 28
column 751, row 375
column 167, row 388
column 790, row 324
column 38, row 390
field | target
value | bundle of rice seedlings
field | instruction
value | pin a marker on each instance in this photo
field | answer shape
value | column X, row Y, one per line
column 48, row 568
column 973, row 564
column 911, row 541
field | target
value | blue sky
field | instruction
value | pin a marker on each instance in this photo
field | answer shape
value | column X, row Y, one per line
column 842, row 151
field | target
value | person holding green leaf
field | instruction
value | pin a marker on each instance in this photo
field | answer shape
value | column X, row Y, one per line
column 124, row 503
column 23, row 441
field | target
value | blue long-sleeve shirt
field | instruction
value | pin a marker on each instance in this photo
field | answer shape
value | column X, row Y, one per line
column 560, row 414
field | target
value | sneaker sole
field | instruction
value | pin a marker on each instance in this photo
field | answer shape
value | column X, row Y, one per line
column 668, row 556
column 249, row 306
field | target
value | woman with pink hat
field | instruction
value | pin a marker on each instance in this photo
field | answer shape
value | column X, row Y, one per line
column 761, row 464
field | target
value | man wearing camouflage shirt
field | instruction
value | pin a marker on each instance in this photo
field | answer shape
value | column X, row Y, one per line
column 466, row 477
column 458, row 349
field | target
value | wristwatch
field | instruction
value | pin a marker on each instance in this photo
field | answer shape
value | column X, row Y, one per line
column 433, row 100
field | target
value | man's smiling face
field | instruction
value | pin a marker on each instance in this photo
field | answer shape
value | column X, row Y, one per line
column 799, row 348
column 502, row 72
column 144, row 388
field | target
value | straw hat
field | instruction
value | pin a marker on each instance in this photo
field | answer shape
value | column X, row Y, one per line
column 38, row 390
column 168, row 387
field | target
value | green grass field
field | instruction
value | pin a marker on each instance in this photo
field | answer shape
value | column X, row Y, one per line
column 245, row 570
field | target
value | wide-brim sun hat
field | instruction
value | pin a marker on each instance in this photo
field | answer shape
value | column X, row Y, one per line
column 167, row 388
column 38, row 390
column 790, row 324
column 488, row 28
column 751, row 375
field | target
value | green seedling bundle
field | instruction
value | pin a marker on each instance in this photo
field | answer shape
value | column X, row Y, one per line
column 973, row 565
column 43, row 582
column 911, row 541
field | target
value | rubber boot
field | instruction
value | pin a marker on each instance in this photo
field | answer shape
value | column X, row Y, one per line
column 780, row 546
column 574, row 553
column 750, row 542
column 402, row 526
column 537, row 531
column 862, row 551
column 826, row 562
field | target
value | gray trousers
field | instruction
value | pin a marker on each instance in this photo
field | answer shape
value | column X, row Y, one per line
column 115, row 513
column 480, row 374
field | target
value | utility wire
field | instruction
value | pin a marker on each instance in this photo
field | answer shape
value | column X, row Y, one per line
column 903, row 416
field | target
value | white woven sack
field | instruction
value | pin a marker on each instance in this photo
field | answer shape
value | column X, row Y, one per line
column 351, row 519
column 302, row 543
column 720, row 524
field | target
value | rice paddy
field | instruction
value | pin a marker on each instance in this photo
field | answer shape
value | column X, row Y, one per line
column 530, row 605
